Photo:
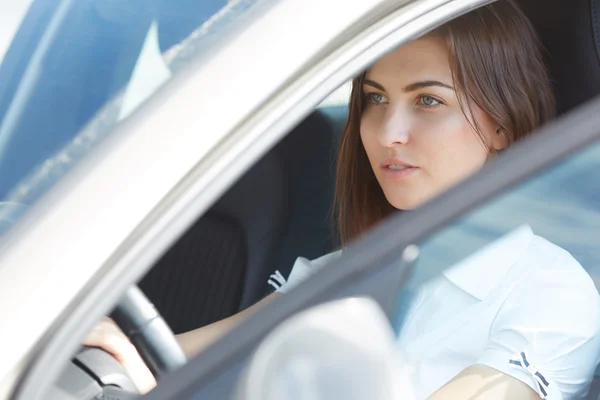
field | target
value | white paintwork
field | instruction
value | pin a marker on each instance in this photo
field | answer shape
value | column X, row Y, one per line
column 102, row 202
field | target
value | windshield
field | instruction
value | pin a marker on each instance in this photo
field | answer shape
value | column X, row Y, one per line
column 71, row 71
column 10, row 18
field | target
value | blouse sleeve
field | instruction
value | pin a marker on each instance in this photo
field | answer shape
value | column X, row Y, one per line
column 546, row 334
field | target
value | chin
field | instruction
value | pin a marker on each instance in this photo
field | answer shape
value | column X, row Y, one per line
column 403, row 202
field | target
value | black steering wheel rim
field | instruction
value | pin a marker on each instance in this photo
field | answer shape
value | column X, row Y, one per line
column 95, row 374
column 147, row 330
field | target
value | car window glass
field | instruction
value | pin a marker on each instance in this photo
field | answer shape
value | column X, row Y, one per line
column 505, row 261
column 559, row 204
column 555, row 213
column 124, row 57
column 12, row 13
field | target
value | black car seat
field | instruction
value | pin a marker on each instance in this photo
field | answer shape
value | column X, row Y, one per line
column 569, row 31
column 277, row 211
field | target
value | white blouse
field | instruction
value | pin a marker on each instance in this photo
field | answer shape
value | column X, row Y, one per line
column 521, row 305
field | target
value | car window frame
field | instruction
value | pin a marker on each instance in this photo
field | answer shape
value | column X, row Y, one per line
column 292, row 104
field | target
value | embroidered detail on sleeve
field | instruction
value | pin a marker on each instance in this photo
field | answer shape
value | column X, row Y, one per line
column 276, row 280
column 522, row 362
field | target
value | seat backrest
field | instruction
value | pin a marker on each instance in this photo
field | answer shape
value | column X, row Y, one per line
column 278, row 210
column 309, row 155
column 569, row 30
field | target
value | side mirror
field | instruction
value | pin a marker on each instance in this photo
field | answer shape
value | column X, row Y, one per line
column 345, row 349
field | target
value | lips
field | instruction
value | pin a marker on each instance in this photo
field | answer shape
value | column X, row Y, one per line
column 396, row 164
column 395, row 168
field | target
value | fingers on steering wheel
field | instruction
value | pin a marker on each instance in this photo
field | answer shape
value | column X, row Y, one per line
column 107, row 336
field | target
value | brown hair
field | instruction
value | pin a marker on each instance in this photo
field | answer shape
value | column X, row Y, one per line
column 496, row 62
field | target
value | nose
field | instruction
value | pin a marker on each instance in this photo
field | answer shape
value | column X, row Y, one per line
column 395, row 128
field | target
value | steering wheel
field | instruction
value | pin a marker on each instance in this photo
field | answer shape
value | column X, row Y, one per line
column 95, row 374
column 142, row 324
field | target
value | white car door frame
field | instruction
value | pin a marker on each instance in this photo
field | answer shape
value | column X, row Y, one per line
column 162, row 172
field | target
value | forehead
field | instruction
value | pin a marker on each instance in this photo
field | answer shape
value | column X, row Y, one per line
column 421, row 59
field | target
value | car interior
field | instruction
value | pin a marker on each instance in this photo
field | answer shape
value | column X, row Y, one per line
column 291, row 215
column 297, row 180
column 282, row 207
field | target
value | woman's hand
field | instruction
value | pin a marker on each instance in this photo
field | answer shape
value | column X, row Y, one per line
column 107, row 336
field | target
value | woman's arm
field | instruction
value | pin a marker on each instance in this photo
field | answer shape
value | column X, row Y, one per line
column 479, row 382
column 193, row 342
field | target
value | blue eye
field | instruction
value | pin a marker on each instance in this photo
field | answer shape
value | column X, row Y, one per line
column 377, row 98
column 429, row 101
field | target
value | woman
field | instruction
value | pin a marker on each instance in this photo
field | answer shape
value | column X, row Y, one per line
column 423, row 118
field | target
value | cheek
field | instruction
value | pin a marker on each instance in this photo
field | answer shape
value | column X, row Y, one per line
column 454, row 149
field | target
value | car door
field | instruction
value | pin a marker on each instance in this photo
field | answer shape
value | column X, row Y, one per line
column 259, row 113
column 362, row 270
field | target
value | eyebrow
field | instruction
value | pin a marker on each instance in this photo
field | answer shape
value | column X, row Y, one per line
column 412, row 87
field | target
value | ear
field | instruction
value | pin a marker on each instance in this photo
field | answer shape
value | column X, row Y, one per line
column 499, row 139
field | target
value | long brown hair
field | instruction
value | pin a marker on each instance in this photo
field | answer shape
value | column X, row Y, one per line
column 497, row 63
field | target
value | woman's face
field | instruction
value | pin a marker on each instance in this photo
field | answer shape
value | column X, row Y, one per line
column 415, row 134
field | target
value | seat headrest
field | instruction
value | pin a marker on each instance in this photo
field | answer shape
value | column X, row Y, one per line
column 570, row 33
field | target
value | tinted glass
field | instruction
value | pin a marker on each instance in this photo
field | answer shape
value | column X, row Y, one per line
column 529, row 258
